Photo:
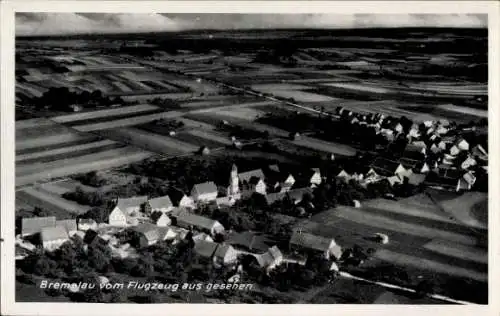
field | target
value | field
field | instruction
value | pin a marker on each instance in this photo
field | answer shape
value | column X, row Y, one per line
column 49, row 201
column 470, row 208
column 292, row 91
column 104, row 113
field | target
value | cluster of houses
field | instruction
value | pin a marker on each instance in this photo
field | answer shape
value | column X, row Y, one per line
column 435, row 148
column 171, row 218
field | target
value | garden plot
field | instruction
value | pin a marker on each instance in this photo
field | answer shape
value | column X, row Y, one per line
column 99, row 161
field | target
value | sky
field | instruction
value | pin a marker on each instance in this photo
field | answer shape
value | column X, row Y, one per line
column 37, row 24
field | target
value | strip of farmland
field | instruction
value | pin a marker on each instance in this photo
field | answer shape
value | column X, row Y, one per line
column 211, row 136
column 40, row 131
column 104, row 113
column 48, row 140
column 458, row 251
column 234, row 106
column 49, row 201
column 83, row 164
column 198, row 141
column 415, row 261
column 149, row 141
column 47, row 166
column 151, row 95
column 114, row 117
column 383, row 222
column 128, row 121
column 324, row 146
column 84, row 140
column 68, row 152
column 35, row 122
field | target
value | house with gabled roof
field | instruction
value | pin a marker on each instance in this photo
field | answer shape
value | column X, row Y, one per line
column 270, row 259
column 147, row 234
column 386, row 167
column 34, row 225
column 205, row 249
column 159, row 204
column 86, row 224
column 295, row 195
column 249, row 241
column 53, row 237
column 127, row 210
column 307, row 242
column 343, row 176
column 180, row 199
column 462, row 144
column 204, row 192
column 188, row 220
column 160, row 219
column 225, row 255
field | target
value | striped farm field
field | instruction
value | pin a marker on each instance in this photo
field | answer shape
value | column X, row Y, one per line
column 233, row 107
column 84, row 140
column 93, row 162
column 66, row 152
column 35, row 122
column 150, row 141
column 458, row 251
column 136, row 120
column 198, row 124
column 104, row 113
column 115, row 117
column 324, row 146
column 198, row 141
column 46, row 141
column 40, row 131
column 39, row 197
column 213, row 136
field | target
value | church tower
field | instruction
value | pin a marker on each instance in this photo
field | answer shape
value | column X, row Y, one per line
column 234, row 186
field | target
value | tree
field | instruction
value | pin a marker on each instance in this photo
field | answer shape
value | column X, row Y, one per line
column 39, row 212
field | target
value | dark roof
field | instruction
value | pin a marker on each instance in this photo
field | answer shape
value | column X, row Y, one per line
column 189, row 219
column 416, row 179
column 136, row 201
column 33, row 225
column 310, row 241
column 175, row 196
column 205, row 248
column 69, row 224
column 295, row 194
column 149, row 231
column 248, row 240
column 160, row 202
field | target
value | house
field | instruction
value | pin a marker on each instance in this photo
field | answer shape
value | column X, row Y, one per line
column 34, row 225
column 69, row 225
column 270, row 259
column 315, row 178
column 127, row 210
column 86, row 224
column 302, row 241
column 454, row 150
column 188, row 220
column 179, row 199
column 248, row 241
column 435, row 149
column 146, row 234
column 166, row 233
column 470, row 178
column 343, row 176
column 204, row 192
column 386, row 167
column 205, row 249
column 468, row 162
column 160, row 219
column 53, row 237
column 462, row 144
column 422, row 167
column 160, row 204
column 202, row 236
column 277, row 179
column 226, row 200
column 225, row 255
column 295, row 195
column 394, row 180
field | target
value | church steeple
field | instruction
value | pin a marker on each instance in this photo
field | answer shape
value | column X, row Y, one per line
column 234, row 186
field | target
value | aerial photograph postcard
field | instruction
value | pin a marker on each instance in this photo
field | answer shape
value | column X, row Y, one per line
column 225, row 158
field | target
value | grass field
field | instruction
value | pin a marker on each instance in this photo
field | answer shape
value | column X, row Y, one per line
column 323, row 146
column 49, row 201
column 211, row 136
column 462, row 209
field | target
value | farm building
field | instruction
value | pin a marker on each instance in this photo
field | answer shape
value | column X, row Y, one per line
column 248, row 241
column 160, row 204
column 270, row 259
column 126, row 210
column 205, row 249
column 53, row 237
column 225, row 255
column 34, row 225
column 386, row 167
column 416, row 179
column 204, row 192
column 295, row 195
column 307, row 242
column 166, row 233
column 202, row 236
column 277, row 179
column 187, row 220
column 343, row 176
column 160, row 219
column 69, row 225
column 146, row 235
column 462, row 144
column 180, row 199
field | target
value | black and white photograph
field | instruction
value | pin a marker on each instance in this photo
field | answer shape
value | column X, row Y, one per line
column 250, row 158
